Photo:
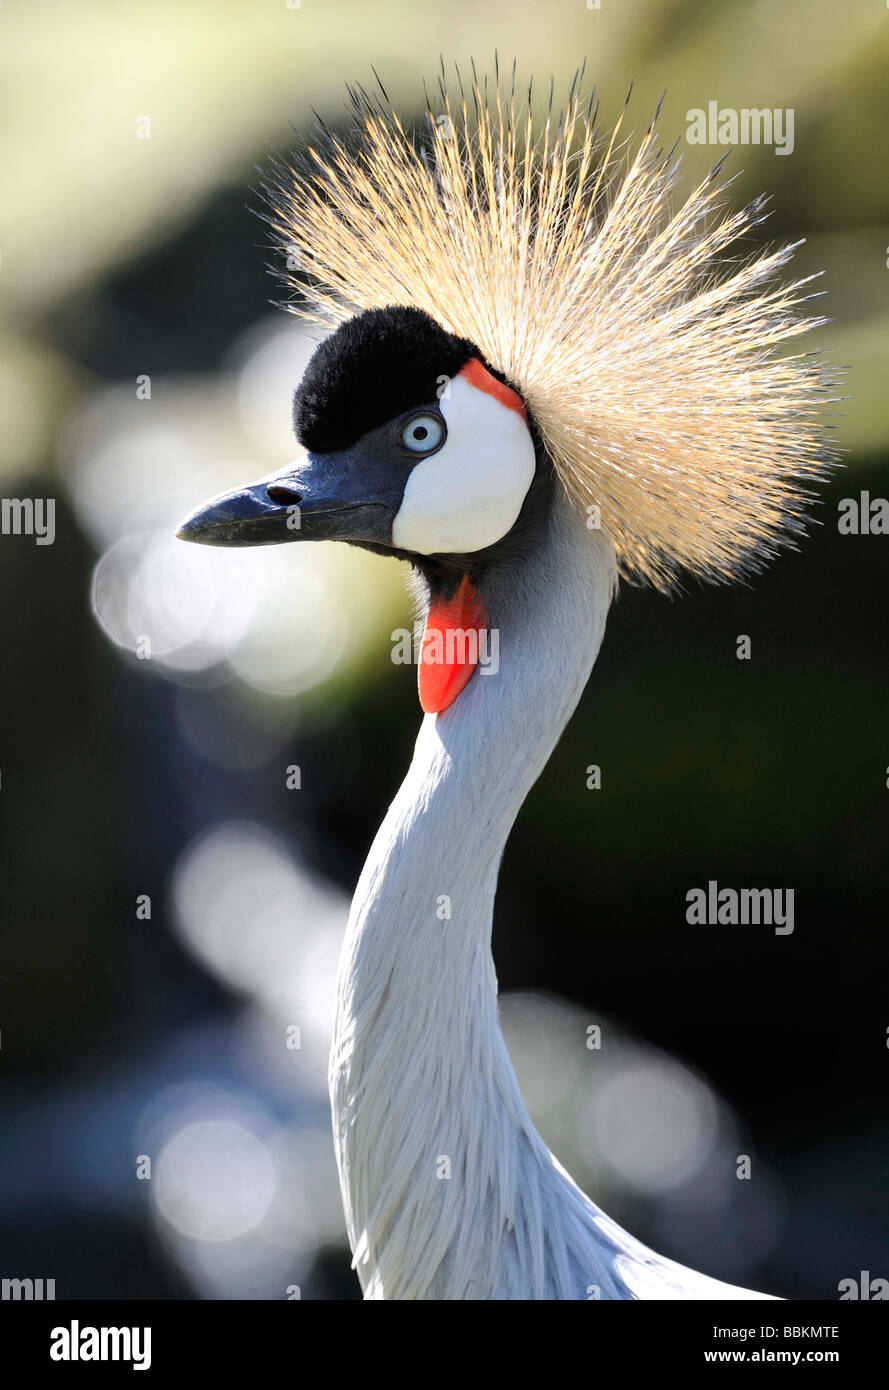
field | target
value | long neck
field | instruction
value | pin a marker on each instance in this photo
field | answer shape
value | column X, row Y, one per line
column 445, row 1181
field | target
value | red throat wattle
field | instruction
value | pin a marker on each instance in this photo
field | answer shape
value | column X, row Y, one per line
column 449, row 652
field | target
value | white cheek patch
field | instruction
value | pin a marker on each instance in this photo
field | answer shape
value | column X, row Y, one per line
column 469, row 494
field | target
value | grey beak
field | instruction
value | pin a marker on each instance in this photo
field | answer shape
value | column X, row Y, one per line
column 322, row 497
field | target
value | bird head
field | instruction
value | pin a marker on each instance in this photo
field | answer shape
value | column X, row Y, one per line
column 523, row 308
column 415, row 447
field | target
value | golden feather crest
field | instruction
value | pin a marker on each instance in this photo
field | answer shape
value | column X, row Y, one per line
column 654, row 368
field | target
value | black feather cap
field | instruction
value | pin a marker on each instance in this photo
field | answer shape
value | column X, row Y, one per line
column 375, row 367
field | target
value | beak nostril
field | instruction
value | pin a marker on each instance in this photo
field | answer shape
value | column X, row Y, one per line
column 286, row 496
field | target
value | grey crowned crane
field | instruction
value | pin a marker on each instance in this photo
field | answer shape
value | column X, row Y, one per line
column 543, row 374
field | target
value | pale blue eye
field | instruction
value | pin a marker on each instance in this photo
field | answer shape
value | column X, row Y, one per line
column 422, row 434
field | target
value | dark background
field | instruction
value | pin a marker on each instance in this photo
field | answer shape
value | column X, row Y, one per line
column 121, row 1034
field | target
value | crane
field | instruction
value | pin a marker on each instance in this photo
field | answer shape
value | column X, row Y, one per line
column 543, row 374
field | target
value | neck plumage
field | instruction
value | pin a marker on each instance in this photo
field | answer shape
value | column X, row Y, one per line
column 449, row 1191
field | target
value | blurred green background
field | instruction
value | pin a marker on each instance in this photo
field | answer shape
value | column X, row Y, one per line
column 129, row 260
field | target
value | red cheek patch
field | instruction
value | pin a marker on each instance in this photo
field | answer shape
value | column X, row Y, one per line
column 478, row 376
column 450, row 647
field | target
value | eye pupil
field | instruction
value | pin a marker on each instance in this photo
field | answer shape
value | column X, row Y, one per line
column 420, row 432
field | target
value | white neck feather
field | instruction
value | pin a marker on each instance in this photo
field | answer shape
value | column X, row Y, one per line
column 449, row 1191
